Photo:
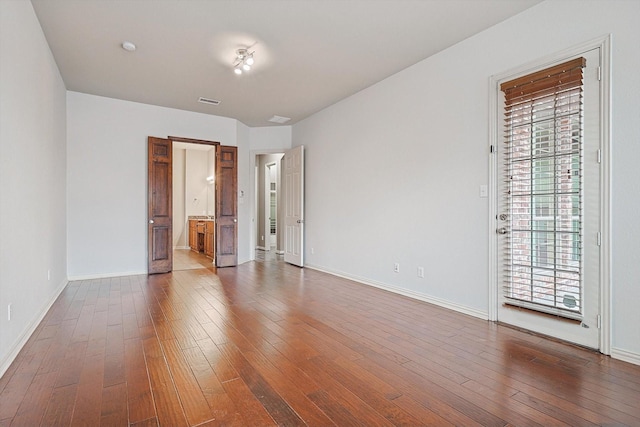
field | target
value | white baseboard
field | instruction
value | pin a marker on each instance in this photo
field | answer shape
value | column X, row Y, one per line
column 411, row 294
column 107, row 275
column 625, row 356
column 31, row 327
column 261, row 248
column 181, row 247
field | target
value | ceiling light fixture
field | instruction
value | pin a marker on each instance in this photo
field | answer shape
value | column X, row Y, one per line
column 243, row 62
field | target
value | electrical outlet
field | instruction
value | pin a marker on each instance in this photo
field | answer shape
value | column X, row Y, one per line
column 9, row 312
column 313, row 251
column 396, row 267
column 263, row 238
column 48, row 274
column 421, row 272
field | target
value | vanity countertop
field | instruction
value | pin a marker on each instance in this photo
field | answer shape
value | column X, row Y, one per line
column 202, row 217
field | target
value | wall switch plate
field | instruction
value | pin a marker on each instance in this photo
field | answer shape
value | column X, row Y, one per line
column 9, row 312
column 421, row 272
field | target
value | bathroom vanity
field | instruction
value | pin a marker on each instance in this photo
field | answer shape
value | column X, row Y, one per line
column 202, row 235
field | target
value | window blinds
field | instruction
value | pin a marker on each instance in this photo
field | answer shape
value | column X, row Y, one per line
column 541, row 204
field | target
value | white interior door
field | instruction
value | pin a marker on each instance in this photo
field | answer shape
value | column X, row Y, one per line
column 294, row 206
column 549, row 206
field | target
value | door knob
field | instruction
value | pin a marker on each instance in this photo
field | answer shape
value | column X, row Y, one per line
column 235, row 220
column 502, row 230
column 150, row 221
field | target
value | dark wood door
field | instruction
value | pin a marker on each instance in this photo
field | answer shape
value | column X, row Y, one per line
column 160, row 206
column 226, row 206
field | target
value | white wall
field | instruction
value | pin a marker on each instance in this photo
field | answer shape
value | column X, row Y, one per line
column 413, row 151
column 33, row 222
column 107, row 177
column 245, row 251
column 270, row 138
column 180, row 228
column 196, row 185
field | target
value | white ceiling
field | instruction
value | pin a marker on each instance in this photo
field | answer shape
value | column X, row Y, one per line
column 309, row 54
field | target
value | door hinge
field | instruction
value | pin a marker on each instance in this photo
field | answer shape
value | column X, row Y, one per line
column 599, row 321
column 599, row 73
column 599, row 154
column 491, row 149
column 599, row 238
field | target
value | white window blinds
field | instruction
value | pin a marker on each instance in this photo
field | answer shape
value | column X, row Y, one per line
column 542, row 204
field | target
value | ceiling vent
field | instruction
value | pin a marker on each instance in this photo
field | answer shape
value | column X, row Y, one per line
column 279, row 119
column 209, row 101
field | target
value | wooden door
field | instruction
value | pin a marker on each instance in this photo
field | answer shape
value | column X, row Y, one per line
column 294, row 206
column 160, row 235
column 226, row 206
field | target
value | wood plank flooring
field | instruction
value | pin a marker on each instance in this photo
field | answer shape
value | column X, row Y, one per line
column 267, row 344
column 186, row 259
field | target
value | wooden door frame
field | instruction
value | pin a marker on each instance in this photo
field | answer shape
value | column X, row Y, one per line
column 192, row 141
column 173, row 139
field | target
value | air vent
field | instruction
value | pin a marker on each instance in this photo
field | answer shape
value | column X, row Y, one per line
column 209, row 101
column 279, row 119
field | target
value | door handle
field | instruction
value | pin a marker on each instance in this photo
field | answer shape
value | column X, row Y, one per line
column 150, row 221
column 502, row 230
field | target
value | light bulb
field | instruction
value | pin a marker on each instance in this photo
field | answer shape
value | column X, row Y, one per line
column 237, row 70
column 246, row 67
column 249, row 60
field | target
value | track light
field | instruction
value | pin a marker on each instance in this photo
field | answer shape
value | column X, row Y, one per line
column 243, row 62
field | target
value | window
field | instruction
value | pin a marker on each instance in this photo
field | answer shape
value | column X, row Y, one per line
column 543, row 188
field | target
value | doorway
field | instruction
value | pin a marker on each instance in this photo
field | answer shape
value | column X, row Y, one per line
column 193, row 197
column 269, row 203
column 220, row 240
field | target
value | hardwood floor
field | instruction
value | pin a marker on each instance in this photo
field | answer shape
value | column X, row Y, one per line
column 271, row 344
column 186, row 259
